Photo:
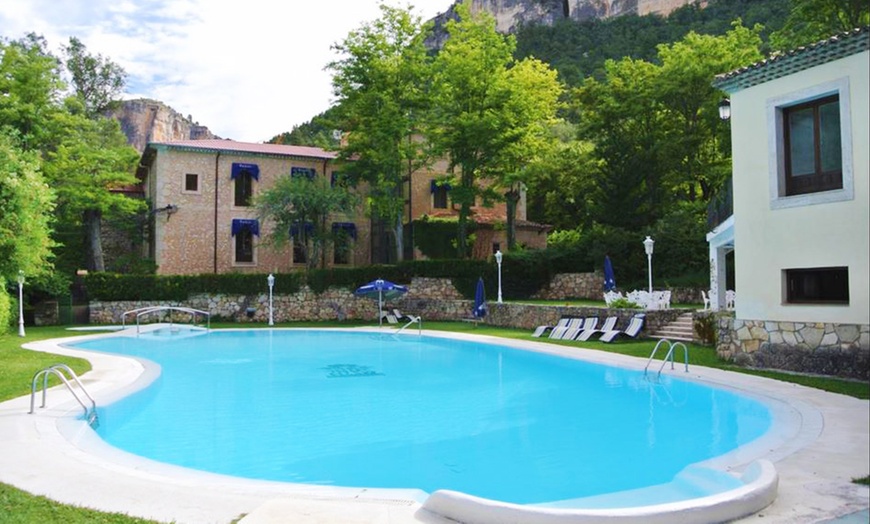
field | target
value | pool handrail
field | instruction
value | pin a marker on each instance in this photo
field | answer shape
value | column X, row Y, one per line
column 58, row 370
column 418, row 319
column 152, row 309
column 668, row 356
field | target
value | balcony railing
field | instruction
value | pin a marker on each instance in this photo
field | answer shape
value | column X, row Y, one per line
column 721, row 206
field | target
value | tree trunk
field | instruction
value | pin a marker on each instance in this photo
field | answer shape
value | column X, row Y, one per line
column 400, row 239
column 512, row 198
column 93, row 223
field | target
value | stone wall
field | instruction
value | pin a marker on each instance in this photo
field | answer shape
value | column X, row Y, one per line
column 808, row 347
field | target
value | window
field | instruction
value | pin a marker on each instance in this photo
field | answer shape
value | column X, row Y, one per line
column 813, row 154
column 191, row 182
column 243, row 230
column 244, row 190
column 245, row 246
column 342, row 246
column 306, row 172
column 826, row 285
column 244, row 175
column 439, row 194
column 300, row 254
column 810, row 146
column 496, row 247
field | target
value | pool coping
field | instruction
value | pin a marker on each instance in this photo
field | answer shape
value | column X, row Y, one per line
column 52, row 454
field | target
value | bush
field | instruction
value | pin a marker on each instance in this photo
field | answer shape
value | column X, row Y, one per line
column 6, row 305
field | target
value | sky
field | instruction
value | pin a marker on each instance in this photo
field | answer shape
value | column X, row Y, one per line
column 248, row 70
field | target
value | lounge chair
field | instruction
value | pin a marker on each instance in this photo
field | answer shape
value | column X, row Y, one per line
column 588, row 323
column 632, row 330
column 401, row 316
column 609, row 325
column 540, row 330
column 559, row 331
column 389, row 317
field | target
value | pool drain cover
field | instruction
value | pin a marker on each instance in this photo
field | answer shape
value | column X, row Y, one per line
column 350, row 370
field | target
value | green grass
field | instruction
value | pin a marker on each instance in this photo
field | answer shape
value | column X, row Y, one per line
column 20, row 507
column 17, row 367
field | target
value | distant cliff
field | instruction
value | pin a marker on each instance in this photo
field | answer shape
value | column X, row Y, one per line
column 510, row 14
column 145, row 120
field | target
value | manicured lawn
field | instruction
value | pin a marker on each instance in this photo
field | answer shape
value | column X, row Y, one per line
column 17, row 367
column 20, row 507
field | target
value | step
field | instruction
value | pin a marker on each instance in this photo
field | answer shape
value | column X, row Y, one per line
column 672, row 338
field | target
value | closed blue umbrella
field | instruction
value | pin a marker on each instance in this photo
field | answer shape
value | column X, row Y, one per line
column 383, row 290
column 479, row 300
column 609, row 278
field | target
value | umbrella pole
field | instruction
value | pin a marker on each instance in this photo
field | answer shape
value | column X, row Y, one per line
column 380, row 308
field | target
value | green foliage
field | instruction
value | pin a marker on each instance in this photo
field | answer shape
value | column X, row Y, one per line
column 26, row 205
column 380, row 84
column 578, row 50
column 5, row 307
column 97, row 81
column 295, row 202
column 316, row 133
column 436, row 237
column 707, row 329
column 810, row 21
column 624, row 303
column 113, row 286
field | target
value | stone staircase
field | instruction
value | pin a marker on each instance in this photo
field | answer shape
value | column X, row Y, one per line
column 680, row 329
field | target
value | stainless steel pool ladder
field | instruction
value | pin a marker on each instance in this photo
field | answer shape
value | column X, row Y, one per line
column 58, row 370
column 669, row 356
column 418, row 320
column 157, row 309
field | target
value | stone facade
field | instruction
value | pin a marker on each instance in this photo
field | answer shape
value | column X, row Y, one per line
column 810, row 347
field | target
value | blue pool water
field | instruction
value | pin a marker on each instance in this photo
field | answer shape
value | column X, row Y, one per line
column 375, row 410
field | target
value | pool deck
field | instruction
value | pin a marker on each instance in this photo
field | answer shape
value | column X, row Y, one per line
column 821, row 441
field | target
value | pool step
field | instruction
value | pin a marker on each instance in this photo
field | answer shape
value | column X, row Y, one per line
column 682, row 329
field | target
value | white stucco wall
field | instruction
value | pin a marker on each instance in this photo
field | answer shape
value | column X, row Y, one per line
column 770, row 237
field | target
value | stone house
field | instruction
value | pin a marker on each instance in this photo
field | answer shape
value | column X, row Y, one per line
column 800, row 229
column 202, row 220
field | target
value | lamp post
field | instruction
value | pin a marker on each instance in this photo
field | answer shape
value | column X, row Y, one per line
column 498, row 257
column 271, row 280
column 648, row 247
column 20, row 303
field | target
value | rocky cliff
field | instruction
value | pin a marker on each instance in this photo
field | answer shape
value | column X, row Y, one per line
column 145, row 120
column 510, row 14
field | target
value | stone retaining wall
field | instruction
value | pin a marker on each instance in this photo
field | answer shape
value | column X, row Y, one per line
column 590, row 286
column 809, row 347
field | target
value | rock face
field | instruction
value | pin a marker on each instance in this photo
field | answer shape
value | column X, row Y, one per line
column 145, row 120
column 510, row 14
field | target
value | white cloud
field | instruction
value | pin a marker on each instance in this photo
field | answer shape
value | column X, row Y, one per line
column 248, row 70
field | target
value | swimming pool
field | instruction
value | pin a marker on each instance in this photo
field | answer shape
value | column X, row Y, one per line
column 364, row 409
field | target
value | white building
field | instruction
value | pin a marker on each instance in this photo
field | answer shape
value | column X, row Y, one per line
column 800, row 228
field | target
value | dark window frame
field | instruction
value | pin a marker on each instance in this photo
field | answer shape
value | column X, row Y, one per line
column 299, row 251
column 244, row 246
column 818, row 285
column 440, row 197
column 187, row 179
column 244, row 189
column 820, row 180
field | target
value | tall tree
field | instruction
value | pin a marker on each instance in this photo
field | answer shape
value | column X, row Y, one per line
column 813, row 20
column 304, row 206
column 26, row 206
column 89, row 163
column 97, row 81
column 531, row 108
column 623, row 118
column 698, row 162
column 380, row 85
column 485, row 114
column 30, row 89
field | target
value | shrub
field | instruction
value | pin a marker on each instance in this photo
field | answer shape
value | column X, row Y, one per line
column 6, row 305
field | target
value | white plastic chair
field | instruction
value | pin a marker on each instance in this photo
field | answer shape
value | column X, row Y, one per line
column 706, row 300
column 730, row 298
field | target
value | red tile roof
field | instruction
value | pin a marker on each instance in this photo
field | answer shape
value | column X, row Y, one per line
column 247, row 147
